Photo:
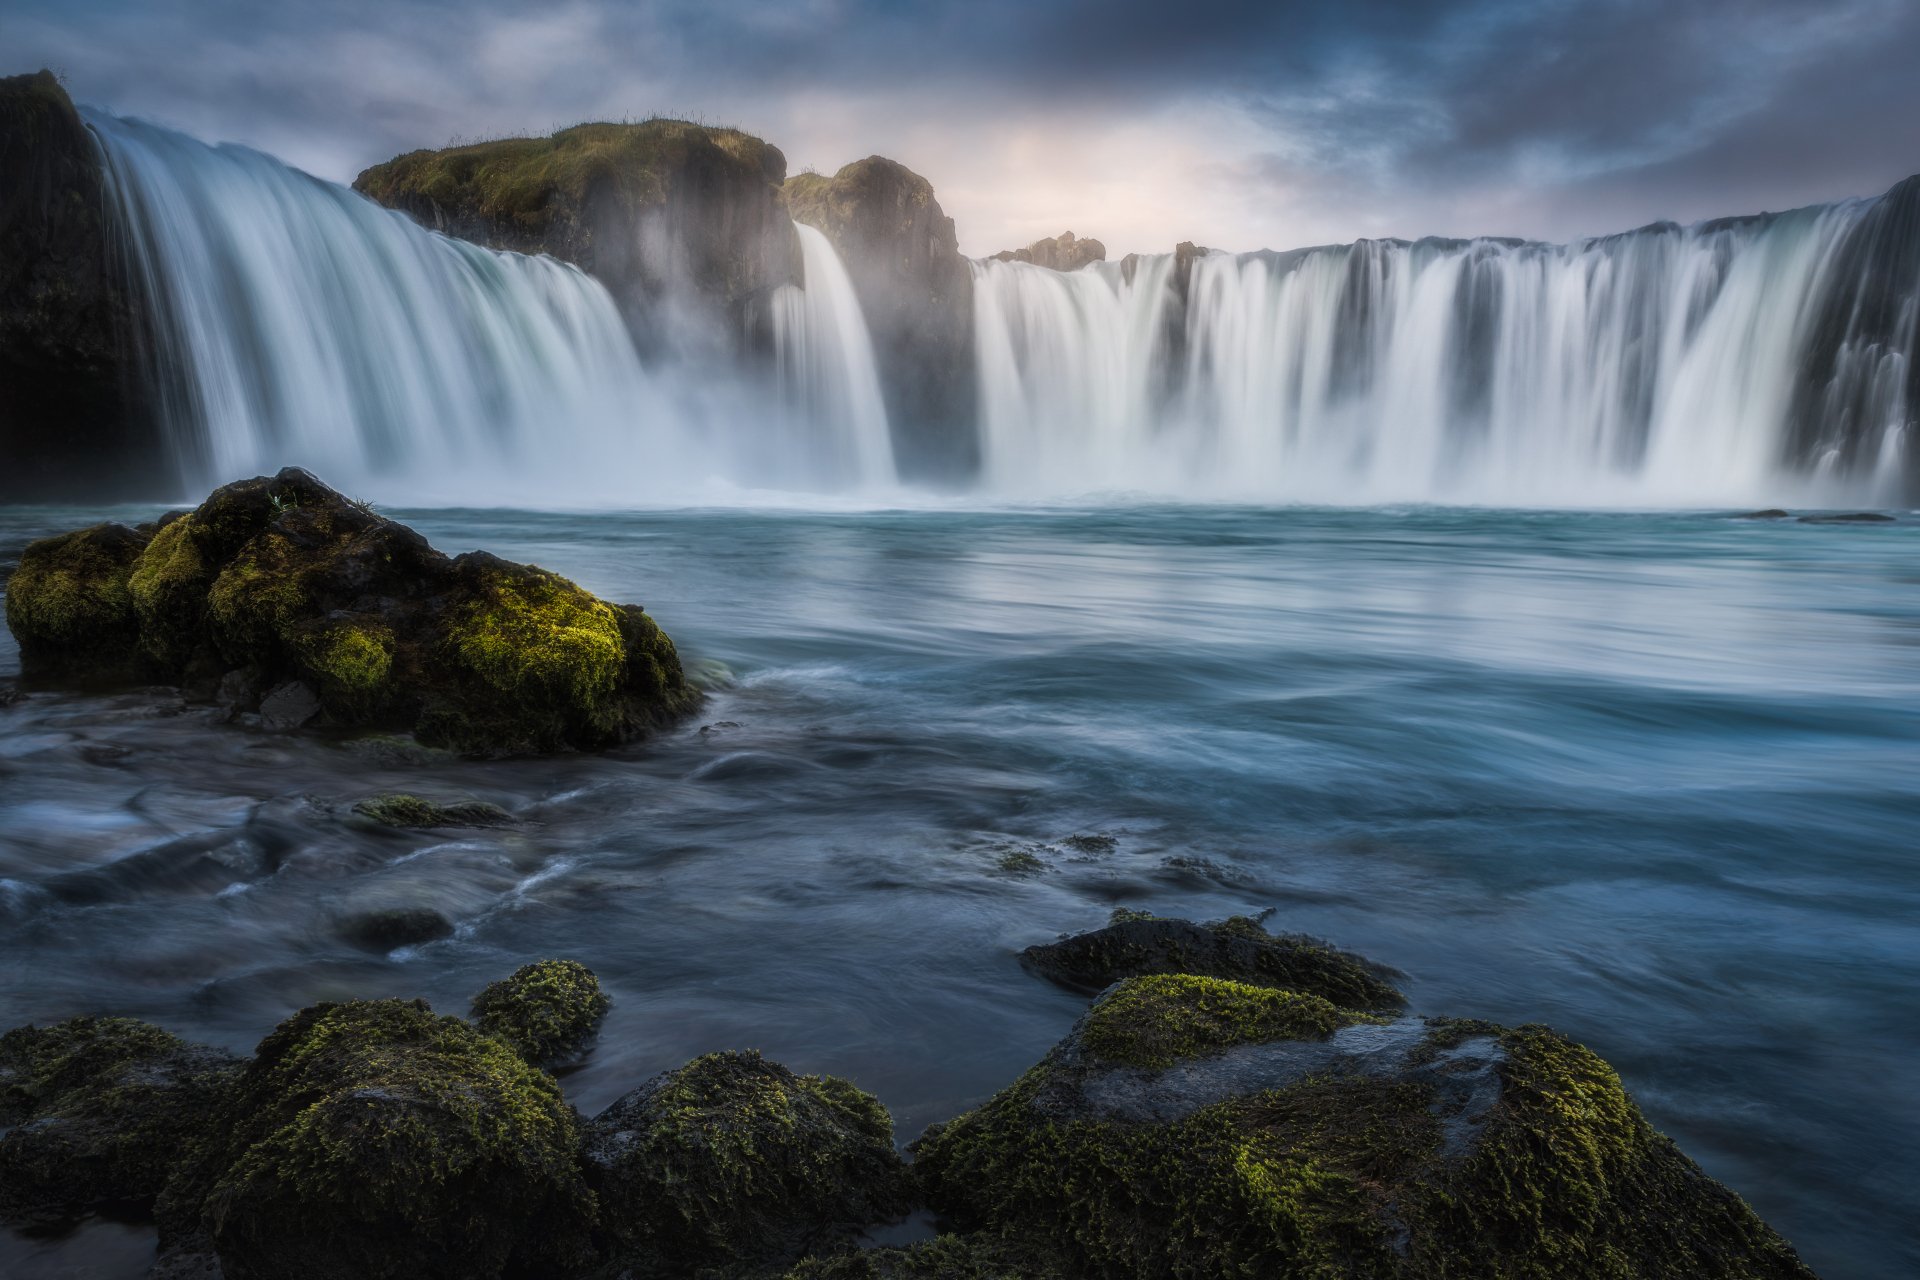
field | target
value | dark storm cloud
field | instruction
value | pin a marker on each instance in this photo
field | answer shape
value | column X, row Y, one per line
column 1240, row 123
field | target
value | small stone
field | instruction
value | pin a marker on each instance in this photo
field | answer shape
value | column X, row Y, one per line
column 391, row 928
column 288, row 706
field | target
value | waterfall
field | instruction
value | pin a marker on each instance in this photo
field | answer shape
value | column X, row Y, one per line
column 1731, row 362
column 828, row 373
column 298, row 322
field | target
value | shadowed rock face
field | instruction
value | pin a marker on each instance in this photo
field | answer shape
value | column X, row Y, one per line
column 901, row 253
column 682, row 222
column 1064, row 252
column 75, row 419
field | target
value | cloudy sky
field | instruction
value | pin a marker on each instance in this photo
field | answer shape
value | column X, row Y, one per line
column 1235, row 125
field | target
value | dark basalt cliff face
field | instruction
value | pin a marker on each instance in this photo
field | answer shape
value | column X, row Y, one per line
column 1865, row 320
column 682, row 222
column 1064, row 252
column 74, row 421
column 901, row 253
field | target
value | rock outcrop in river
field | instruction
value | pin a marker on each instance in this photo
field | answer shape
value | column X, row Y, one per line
column 1188, row 1126
column 901, row 253
column 280, row 594
column 75, row 419
column 682, row 222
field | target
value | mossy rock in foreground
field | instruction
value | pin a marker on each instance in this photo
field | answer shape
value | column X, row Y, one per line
column 95, row 1110
column 733, row 1163
column 970, row 1257
column 1238, row 947
column 549, row 1011
column 1193, row 1127
column 374, row 1139
column 291, row 584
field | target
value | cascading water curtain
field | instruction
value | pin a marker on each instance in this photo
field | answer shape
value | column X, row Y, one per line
column 1747, row 360
column 307, row 325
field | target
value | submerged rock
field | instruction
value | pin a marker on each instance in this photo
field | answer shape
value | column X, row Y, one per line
column 402, row 810
column 1197, row 1127
column 1850, row 517
column 734, row 1162
column 1136, row 944
column 549, row 1011
column 390, row 928
column 375, row 1139
column 95, row 1110
column 344, row 618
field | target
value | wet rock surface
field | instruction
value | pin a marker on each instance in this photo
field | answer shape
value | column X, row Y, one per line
column 1236, row 948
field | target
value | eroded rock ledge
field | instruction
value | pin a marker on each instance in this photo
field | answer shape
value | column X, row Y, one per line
column 280, row 594
column 1187, row 1126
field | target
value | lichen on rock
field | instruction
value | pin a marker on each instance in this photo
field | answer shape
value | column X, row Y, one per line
column 549, row 1011
column 95, row 1110
column 732, row 1162
column 284, row 584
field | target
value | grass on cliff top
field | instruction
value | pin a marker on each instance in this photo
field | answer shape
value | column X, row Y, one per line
column 522, row 180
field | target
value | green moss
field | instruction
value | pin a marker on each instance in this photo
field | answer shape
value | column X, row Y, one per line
column 97, row 1109
column 69, row 606
column 1356, row 1174
column 529, row 183
column 547, row 652
column 1157, row 1021
column 402, row 810
column 974, row 1257
column 351, row 659
column 1126, row 915
column 168, row 586
column 548, row 1011
column 375, row 1139
column 1020, row 862
column 258, row 597
column 733, row 1160
column 653, row 666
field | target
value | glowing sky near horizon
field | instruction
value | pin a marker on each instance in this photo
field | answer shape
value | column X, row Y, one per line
column 1235, row 125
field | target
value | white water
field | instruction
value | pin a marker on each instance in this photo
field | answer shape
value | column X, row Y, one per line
column 1654, row 367
column 300, row 323
column 828, row 372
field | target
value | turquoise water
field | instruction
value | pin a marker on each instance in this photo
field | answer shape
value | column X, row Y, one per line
column 1649, row 778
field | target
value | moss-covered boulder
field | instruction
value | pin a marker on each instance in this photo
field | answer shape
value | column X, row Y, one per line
column 549, row 1011
column 375, row 1139
column 916, row 292
column 302, row 591
column 682, row 222
column 733, row 1162
column 1197, row 1127
column 1237, row 947
column 77, row 411
column 70, row 606
column 94, row 1110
